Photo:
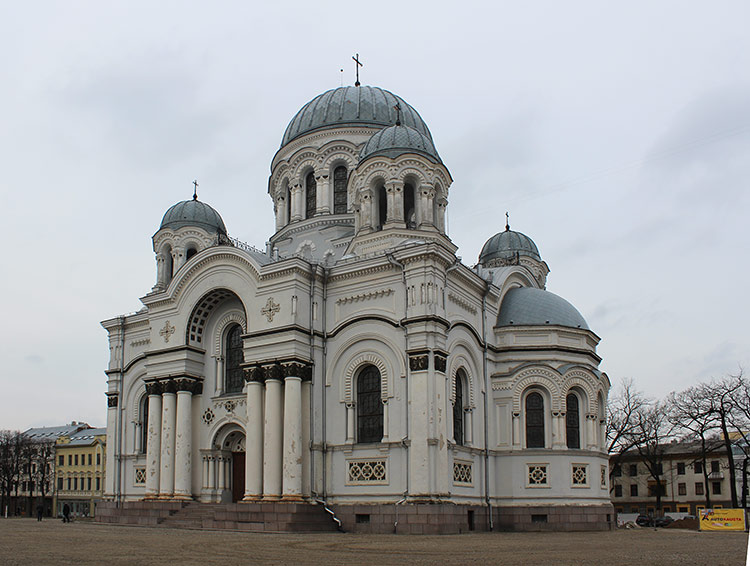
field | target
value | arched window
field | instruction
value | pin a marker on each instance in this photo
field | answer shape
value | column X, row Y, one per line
column 191, row 252
column 311, row 186
column 233, row 357
column 572, row 423
column 410, row 214
column 144, row 424
column 534, row 420
column 382, row 207
column 339, row 190
column 288, row 201
column 369, row 406
column 168, row 265
column 458, row 410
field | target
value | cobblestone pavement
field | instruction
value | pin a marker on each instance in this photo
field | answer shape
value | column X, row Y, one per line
column 28, row 542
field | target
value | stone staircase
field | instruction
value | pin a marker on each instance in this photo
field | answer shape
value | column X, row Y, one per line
column 248, row 517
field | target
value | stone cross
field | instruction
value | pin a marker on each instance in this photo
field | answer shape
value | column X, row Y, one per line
column 270, row 309
column 167, row 331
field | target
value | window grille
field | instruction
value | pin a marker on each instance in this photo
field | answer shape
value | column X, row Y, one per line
column 140, row 476
column 462, row 473
column 580, row 475
column 366, row 471
column 537, row 475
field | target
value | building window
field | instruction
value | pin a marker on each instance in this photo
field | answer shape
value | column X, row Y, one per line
column 537, row 475
column 716, row 487
column 369, row 406
column 88, row 458
column 62, row 460
column 698, row 467
column 140, row 476
column 680, row 468
column 339, row 190
column 633, row 490
column 144, row 426
column 88, row 484
column 98, row 484
column 69, row 484
column 633, row 470
column 617, row 471
column 75, row 459
column 579, row 475
column 75, row 484
column 534, row 420
column 233, row 358
column 715, row 466
column 98, row 459
column 681, row 489
column 618, row 491
column 659, row 469
column 70, row 459
column 382, row 207
column 699, row 488
column 311, row 195
column 458, row 410
column 572, row 424
column 59, row 484
column 410, row 215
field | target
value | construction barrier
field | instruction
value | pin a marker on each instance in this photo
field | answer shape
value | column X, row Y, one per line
column 722, row 520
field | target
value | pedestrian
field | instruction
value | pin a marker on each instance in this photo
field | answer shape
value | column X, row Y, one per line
column 39, row 511
column 66, row 513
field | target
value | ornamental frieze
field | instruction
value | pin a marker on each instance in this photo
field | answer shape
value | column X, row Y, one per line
column 418, row 362
column 112, row 399
column 440, row 361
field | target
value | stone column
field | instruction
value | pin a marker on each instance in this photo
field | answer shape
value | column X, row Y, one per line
column 322, row 194
column 350, row 423
column 591, row 440
column 183, row 474
column 468, row 426
column 168, row 417
column 281, row 219
column 161, row 279
column 254, row 436
column 212, row 472
column 272, row 440
column 178, row 258
column 292, row 470
column 219, row 385
column 306, row 394
column 440, row 220
column 426, row 216
column 395, row 196
column 297, row 201
column 204, row 483
column 385, row 419
column 366, row 214
column 516, row 430
column 153, row 443
column 109, row 480
column 222, row 474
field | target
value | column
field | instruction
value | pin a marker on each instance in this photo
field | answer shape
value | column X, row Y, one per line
column 161, row 279
column 350, row 423
column 385, row 420
column 366, row 214
column 558, row 426
column 219, row 386
column 183, row 449
column 297, row 208
column 427, row 196
column 168, row 418
column 109, row 480
column 153, row 442
column 204, row 483
column 292, row 466
column 178, row 259
column 306, row 395
column 280, row 210
column 468, row 426
column 591, row 441
column 254, row 441
column 222, row 474
column 272, row 441
column 516, row 430
column 322, row 195
column 212, row 472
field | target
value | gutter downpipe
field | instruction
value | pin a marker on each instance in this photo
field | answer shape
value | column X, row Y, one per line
column 323, row 370
column 118, row 423
column 314, row 274
column 486, row 422
column 405, row 439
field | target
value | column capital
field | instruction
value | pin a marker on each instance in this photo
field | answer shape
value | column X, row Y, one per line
column 112, row 399
column 154, row 388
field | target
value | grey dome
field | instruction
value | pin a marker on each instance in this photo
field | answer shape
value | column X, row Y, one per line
column 506, row 245
column 193, row 213
column 397, row 140
column 352, row 105
column 524, row 306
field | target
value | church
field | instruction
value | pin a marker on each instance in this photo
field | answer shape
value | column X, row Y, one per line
column 355, row 365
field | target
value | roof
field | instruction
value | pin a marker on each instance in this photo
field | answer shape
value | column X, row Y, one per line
column 86, row 437
column 507, row 245
column 54, row 432
column 397, row 140
column 193, row 213
column 527, row 306
column 353, row 106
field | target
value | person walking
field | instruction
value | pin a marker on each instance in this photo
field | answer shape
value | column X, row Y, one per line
column 39, row 511
column 66, row 513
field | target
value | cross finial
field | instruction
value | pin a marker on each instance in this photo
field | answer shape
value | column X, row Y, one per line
column 356, row 67
column 507, row 222
column 398, row 113
column 195, row 190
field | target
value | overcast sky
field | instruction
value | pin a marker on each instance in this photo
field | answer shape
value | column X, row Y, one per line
column 617, row 135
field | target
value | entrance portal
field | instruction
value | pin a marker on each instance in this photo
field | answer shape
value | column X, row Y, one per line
column 225, row 467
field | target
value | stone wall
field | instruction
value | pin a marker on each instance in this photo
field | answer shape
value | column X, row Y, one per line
column 555, row 518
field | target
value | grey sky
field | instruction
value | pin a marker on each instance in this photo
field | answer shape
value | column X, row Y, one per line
column 617, row 135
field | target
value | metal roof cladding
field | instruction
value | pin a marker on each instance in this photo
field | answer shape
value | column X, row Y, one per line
column 193, row 213
column 506, row 244
column 353, row 105
column 397, row 140
column 526, row 306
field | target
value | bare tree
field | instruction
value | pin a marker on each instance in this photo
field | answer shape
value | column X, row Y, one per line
column 691, row 413
column 650, row 435
column 622, row 410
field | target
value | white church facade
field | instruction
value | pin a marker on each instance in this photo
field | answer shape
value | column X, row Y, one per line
column 357, row 362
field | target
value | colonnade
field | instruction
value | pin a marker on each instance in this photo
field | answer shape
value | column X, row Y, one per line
column 277, row 442
column 428, row 213
column 169, row 444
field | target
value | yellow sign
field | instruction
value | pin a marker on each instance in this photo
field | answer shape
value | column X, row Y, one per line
column 722, row 520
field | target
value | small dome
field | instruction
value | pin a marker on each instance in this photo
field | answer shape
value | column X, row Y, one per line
column 506, row 245
column 526, row 306
column 397, row 140
column 352, row 105
column 193, row 213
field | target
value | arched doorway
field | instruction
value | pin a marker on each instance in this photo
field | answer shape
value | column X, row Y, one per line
column 225, row 469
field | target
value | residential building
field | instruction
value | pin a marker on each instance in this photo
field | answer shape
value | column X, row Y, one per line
column 80, row 471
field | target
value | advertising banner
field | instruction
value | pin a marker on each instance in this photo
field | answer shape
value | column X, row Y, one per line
column 722, row 520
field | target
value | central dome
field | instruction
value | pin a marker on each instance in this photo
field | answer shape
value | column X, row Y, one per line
column 193, row 213
column 353, row 105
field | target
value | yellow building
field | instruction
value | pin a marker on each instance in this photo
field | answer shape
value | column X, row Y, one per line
column 80, row 459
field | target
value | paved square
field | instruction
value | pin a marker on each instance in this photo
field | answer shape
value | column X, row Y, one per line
column 28, row 542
